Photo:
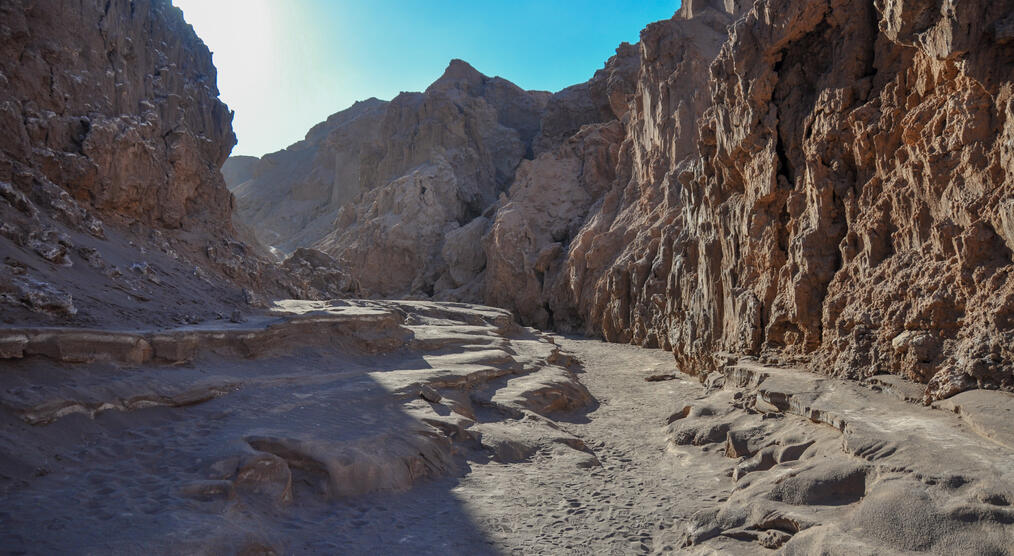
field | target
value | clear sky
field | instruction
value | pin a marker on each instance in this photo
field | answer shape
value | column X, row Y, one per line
column 285, row 65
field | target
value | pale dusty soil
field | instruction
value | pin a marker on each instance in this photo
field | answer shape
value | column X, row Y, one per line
column 632, row 503
column 86, row 467
column 629, row 504
column 368, row 427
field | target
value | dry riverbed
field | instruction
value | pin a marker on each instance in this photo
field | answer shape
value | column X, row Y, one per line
column 366, row 427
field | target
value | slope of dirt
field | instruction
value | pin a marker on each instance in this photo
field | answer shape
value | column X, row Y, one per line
column 229, row 437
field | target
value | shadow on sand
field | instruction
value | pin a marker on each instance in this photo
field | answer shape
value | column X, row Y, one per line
column 108, row 479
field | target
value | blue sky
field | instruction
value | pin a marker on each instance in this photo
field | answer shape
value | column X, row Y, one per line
column 285, row 65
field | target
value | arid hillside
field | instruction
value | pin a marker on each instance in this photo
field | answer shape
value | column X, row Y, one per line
column 112, row 206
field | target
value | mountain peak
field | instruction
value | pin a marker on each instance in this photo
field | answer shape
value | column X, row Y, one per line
column 458, row 75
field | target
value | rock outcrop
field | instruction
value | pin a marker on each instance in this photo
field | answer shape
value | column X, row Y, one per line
column 482, row 127
column 764, row 188
column 847, row 199
column 603, row 277
column 293, row 195
column 443, row 158
column 820, row 181
column 548, row 204
column 112, row 206
column 837, row 193
column 398, row 191
column 117, row 104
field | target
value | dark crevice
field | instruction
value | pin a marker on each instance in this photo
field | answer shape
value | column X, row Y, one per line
column 550, row 321
column 871, row 46
column 427, row 289
column 784, row 167
column 473, row 210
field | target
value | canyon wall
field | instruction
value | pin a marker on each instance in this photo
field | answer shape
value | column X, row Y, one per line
column 115, row 102
column 848, row 202
column 112, row 206
column 824, row 182
column 844, row 199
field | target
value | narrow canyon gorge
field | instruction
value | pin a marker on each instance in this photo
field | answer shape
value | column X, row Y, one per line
column 749, row 289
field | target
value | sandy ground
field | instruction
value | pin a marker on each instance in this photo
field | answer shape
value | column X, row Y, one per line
column 625, row 505
column 424, row 428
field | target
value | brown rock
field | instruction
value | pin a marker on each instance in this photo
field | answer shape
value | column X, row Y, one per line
column 265, row 475
column 548, row 203
column 828, row 184
column 796, row 181
column 113, row 137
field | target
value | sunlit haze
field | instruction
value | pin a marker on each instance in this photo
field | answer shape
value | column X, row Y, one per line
column 284, row 66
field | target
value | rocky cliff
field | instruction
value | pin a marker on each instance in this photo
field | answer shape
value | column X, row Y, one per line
column 401, row 191
column 845, row 201
column 817, row 181
column 838, row 193
column 112, row 206
column 764, row 189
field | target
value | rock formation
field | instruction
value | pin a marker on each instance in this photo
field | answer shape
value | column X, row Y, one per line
column 116, row 104
column 793, row 180
column 239, row 169
column 845, row 202
column 112, row 207
column 393, row 189
column 762, row 188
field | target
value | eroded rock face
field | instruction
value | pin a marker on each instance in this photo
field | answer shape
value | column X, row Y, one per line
column 112, row 207
column 836, row 190
column 442, row 159
column 482, row 126
column 549, row 201
column 851, row 183
column 792, row 180
column 618, row 265
column 400, row 192
column 291, row 197
column 116, row 102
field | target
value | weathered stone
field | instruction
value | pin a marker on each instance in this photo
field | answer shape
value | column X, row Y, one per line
column 13, row 346
column 113, row 136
